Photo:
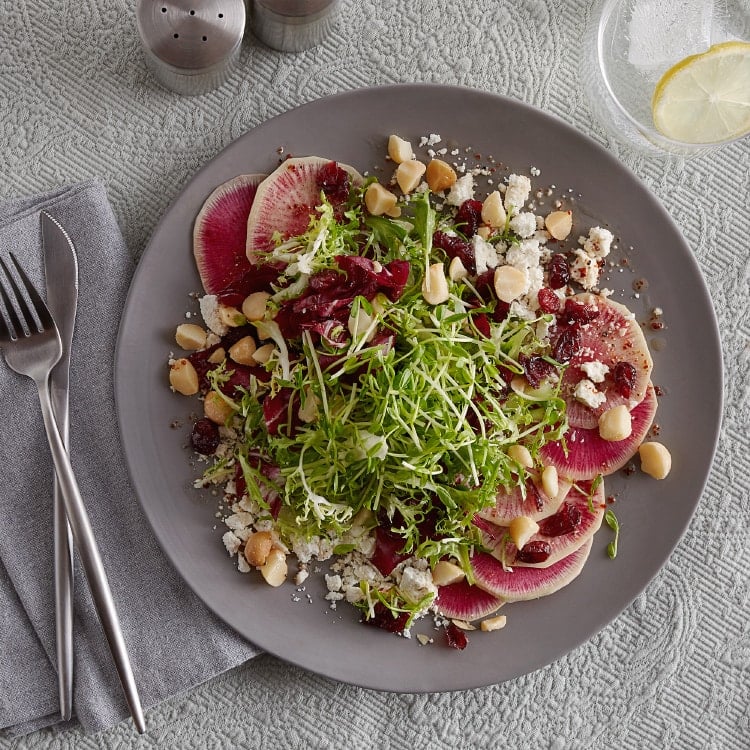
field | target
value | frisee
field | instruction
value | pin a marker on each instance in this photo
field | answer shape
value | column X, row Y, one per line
column 414, row 426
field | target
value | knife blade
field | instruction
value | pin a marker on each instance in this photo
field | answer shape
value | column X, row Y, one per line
column 61, row 272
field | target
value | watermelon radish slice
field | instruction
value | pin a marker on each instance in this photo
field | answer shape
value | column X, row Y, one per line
column 220, row 230
column 589, row 455
column 462, row 601
column 535, row 505
column 527, row 583
column 287, row 198
column 612, row 336
column 575, row 507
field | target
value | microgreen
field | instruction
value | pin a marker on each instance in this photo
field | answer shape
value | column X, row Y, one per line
column 613, row 524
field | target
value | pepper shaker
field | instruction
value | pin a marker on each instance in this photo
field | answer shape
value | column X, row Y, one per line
column 292, row 25
column 191, row 46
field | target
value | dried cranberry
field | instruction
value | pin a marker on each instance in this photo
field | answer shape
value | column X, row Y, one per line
column 535, row 368
column 384, row 618
column 205, row 437
column 483, row 324
column 559, row 273
column 502, row 310
column 534, row 552
column 549, row 302
column 469, row 216
column 334, row 182
column 578, row 312
column 566, row 520
column 567, row 344
column 455, row 247
column 456, row 637
column 624, row 375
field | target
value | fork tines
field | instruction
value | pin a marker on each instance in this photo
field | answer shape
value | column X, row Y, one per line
column 32, row 323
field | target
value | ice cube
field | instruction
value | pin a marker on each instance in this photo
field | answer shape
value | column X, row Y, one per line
column 663, row 32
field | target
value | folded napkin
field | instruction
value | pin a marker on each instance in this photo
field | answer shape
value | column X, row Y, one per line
column 173, row 640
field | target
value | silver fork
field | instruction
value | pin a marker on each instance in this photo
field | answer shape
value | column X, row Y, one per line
column 32, row 348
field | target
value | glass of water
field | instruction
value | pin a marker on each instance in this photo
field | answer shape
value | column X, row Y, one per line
column 644, row 60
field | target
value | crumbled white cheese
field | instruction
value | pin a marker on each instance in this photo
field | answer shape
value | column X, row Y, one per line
column 239, row 520
column 210, row 311
column 585, row 269
column 517, row 192
column 333, row 582
column 430, row 140
column 462, row 190
column 524, row 224
column 301, row 576
column 231, row 542
column 536, row 282
column 366, row 545
column 519, row 309
column 485, row 255
column 242, row 565
column 595, row 371
column 586, row 393
column 243, row 534
column 524, row 255
column 598, row 243
column 416, row 584
column 306, row 549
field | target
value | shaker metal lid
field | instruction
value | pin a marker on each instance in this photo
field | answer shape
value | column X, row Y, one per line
column 191, row 35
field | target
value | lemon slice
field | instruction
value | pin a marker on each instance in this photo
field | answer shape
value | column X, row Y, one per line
column 705, row 98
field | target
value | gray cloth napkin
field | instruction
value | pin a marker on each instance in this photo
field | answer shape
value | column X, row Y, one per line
column 173, row 640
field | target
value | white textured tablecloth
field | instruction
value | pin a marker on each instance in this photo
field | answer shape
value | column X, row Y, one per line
column 673, row 671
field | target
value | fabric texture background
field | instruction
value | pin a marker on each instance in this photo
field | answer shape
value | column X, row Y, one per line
column 673, row 669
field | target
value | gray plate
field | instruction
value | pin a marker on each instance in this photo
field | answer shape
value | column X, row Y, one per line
column 353, row 127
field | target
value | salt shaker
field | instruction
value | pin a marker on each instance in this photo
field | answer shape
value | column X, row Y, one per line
column 191, row 46
column 292, row 25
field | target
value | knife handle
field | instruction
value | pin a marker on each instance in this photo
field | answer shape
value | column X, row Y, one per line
column 63, row 546
column 91, row 560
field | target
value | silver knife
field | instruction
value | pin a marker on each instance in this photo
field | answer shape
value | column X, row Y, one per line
column 61, row 271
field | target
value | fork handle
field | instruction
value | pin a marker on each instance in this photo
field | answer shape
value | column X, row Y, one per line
column 63, row 604
column 90, row 558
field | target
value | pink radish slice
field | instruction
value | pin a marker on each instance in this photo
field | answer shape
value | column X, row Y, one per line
column 220, row 232
column 564, row 544
column 463, row 601
column 286, row 200
column 535, row 505
column 613, row 336
column 527, row 583
column 589, row 455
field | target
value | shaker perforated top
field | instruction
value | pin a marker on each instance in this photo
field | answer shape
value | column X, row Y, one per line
column 190, row 37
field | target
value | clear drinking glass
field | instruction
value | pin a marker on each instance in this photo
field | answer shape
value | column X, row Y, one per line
column 630, row 44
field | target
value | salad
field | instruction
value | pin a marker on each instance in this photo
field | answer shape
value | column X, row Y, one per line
column 418, row 383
